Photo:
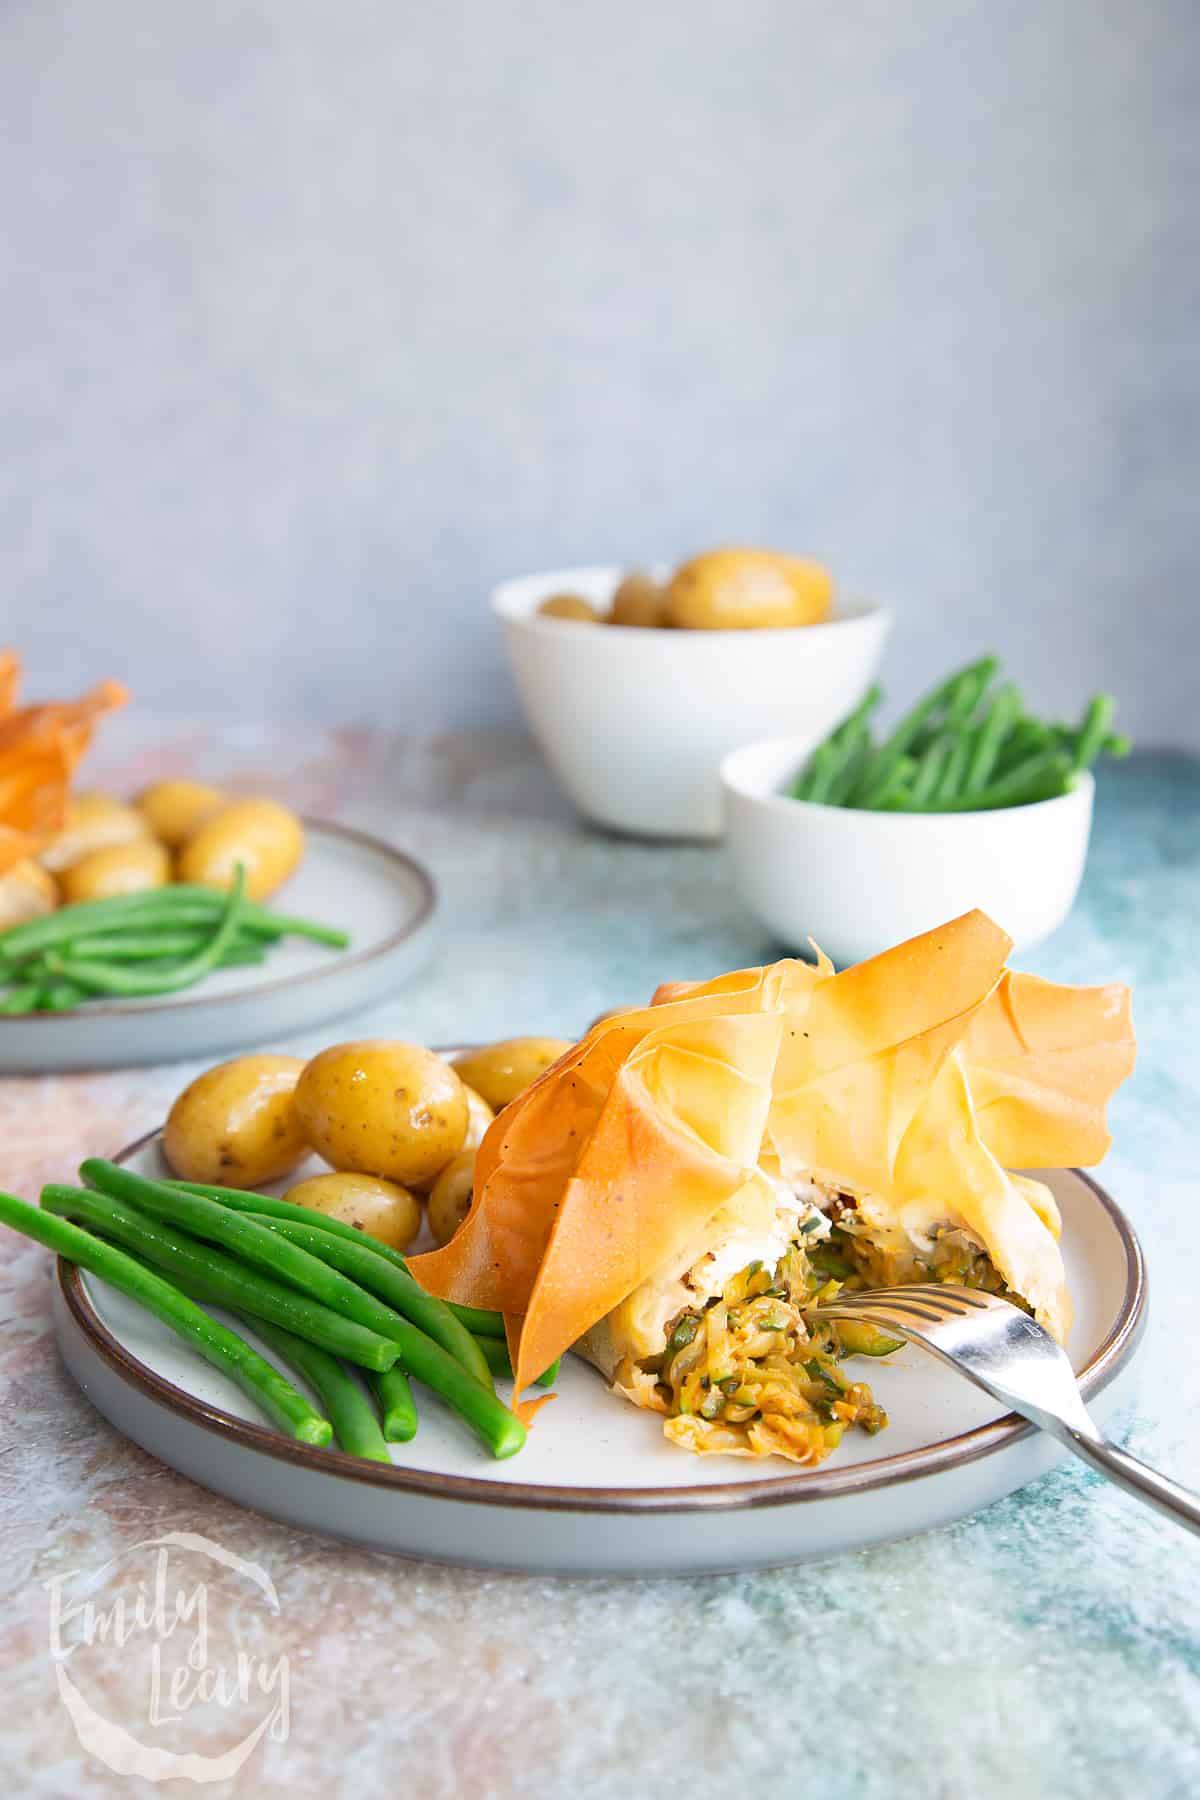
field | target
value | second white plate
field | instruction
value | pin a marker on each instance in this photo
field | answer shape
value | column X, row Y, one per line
column 379, row 895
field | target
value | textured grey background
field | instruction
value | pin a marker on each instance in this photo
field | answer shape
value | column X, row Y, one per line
column 317, row 318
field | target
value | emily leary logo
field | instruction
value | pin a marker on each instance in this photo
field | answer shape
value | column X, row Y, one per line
column 147, row 1611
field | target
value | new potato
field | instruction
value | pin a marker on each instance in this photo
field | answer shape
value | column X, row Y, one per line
column 745, row 590
column 27, row 891
column 95, row 820
column 450, row 1199
column 235, row 1125
column 384, row 1108
column 129, row 868
column 174, row 810
column 499, row 1072
column 263, row 836
column 383, row 1209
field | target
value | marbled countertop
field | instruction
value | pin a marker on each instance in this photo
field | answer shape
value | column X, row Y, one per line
column 1048, row 1646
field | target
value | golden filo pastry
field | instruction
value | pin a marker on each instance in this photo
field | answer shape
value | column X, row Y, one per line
column 675, row 1195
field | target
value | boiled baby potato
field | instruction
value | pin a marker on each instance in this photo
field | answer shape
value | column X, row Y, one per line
column 263, row 836
column 450, row 1200
column 744, row 590
column 94, row 821
column 175, row 810
column 27, row 891
column 130, row 868
column 502, row 1071
column 479, row 1117
column 235, row 1125
column 639, row 600
column 383, row 1209
column 570, row 606
column 383, row 1108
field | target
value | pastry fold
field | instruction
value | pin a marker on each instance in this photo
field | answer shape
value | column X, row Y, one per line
column 910, row 1085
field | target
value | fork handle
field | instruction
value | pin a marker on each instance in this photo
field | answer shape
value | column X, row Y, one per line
column 1144, row 1483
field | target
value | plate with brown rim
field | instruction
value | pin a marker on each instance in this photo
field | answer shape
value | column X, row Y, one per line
column 598, row 1490
column 384, row 899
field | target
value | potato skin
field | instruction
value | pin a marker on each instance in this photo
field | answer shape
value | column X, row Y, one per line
column 175, row 810
column 382, row 1209
column 94, row 821
column 570, row 606
column 450, row 1200
column 263, row 836
column 27, row 891
column 499, row 1072
column 479, row 1117
column 747, row 590
column 129, row 868
column 638, row 600
column 383, row 1108
column 236, row 1124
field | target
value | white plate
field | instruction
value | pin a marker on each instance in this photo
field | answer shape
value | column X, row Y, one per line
column 597, row 1490
column 380, row 896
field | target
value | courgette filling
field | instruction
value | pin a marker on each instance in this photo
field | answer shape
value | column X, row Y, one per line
column 758, row 1370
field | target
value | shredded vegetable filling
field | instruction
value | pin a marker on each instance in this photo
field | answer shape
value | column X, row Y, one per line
column 757, row 1371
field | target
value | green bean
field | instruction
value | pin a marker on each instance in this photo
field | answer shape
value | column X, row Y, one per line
column 478, row 1321
column 929, row 773
column 1093, row 731
column 111, row 978
column 218, row 1224
column 910, row 725
column 950, row 781
column 350, row 1411
column 166, row 907
column 828, row 761
column 991, row 733
column 62, row 995
column 1116, row 744
column 219, row 1346
column 394, row 1394
column 501, row 1363
column 1043, row 776
column 850, row 774
column 396, row 1286
column 235, row 1286
column 242, row 1200
column 133, row 946
column 21, row 999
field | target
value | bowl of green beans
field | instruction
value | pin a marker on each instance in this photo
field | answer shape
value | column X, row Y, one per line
column 863, row 838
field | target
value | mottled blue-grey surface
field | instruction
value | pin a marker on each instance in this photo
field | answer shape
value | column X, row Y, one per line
column 316, row 319
column 1047, row 1649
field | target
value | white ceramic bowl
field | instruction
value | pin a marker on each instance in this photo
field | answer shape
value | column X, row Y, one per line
column 634, row 723
column 857, row 882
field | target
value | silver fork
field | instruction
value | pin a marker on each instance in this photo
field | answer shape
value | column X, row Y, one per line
column 1009, row 1355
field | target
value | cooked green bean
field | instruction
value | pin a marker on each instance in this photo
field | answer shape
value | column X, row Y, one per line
column 21, row 999
column 398, row 1409
column 172, row 906
column 1094, row 730
column 350, row 1411
column 242, row 1200
column 960, row 748
column 218, row 1345
column 501, row 1363
column 218, row 1224
column 234, row 1285
column 478, row 1321
column 1042, row 776
column 134, row 946
column 111, row 978
column 997, row 724
column 397, row 1286
column 910, row 725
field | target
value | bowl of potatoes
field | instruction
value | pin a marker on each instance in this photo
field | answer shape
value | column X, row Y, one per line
column 637, row 683
column 379, row 1133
